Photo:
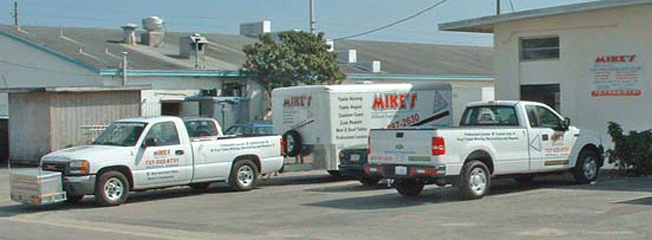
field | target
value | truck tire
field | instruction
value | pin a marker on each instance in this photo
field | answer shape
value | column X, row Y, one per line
column 586, row 169
column 244, row 175
column 111, row 189
column 475, row 180
column 409, row 187
column 292, row 143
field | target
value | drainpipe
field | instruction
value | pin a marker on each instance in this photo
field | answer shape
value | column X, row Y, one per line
column 124, row 68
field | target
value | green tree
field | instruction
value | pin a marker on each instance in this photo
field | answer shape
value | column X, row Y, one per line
column 290, row 59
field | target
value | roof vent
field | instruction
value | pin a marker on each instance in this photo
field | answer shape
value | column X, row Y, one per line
column 155, row 31
column 129, row 35
column 192, row 47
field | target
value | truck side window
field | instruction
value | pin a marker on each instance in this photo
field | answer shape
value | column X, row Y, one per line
column 165, row 134
column 532, row 116
column 548, row 118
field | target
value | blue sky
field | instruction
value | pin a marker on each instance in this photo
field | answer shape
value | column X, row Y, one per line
column 336, row 18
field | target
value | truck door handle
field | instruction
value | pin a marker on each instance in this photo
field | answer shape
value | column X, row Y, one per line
column 179, row 152
column 544, row 137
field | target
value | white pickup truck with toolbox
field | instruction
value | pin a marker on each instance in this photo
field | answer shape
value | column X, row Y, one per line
column 148, row 153
column 518, row 139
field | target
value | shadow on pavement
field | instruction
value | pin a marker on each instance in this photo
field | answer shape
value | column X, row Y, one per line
column 499, row 186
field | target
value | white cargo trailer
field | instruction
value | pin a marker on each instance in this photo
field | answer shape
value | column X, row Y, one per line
column 319, row 121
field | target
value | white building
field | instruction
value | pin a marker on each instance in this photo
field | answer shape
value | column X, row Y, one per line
column 591, row 61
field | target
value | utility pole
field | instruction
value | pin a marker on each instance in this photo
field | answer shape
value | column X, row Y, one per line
column 16, row 15
column 312, row 17
column 497, row 7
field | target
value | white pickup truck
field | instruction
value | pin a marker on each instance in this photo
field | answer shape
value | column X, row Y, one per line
column 155, row 152
column 495, row 138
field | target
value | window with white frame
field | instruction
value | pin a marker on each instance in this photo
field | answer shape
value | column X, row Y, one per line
column 544, row 48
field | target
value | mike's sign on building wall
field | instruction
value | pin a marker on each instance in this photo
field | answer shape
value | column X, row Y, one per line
column 616, row 76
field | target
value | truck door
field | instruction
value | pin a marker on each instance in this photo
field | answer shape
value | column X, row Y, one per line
column 549, row 146
column 164, row 160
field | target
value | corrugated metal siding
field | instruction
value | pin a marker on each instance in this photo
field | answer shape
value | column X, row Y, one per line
column 72, row 111
column 29, row 136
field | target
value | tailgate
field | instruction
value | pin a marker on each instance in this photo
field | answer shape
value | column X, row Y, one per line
column 401, row 145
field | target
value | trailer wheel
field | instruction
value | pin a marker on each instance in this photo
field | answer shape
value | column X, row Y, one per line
column 244, row 175
column 409, row 187
column 475, row 180
column 586, row 169
column 292, row 143
column 111, row 189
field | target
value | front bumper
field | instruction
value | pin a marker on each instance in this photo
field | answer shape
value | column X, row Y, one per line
column 79, row 185
column 424, row 172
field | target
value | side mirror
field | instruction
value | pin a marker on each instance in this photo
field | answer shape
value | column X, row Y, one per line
column 149, row 142
column 563, row 126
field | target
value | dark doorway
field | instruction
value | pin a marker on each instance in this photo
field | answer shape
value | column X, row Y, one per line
column 544, row 93
column 4, row 141
column 170, row 108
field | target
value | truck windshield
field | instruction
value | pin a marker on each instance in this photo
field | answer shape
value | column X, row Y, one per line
column 489, row 115
column 121, row 134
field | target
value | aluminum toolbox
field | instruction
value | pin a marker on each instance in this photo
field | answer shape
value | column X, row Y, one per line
column 36, row 187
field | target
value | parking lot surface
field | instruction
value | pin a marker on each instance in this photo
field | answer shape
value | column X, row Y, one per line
column 314, row 205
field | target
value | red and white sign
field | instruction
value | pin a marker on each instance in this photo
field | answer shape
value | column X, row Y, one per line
column 616, row 76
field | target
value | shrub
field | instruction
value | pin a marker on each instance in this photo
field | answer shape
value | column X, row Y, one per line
column 632, row 153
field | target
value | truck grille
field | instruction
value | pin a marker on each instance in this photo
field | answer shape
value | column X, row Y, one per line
column 54, row 166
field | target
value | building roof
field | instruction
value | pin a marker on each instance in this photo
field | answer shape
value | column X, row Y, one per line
column 101, row 50
column 486, row 24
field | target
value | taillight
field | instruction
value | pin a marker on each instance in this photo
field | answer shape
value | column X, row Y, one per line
column 438, row 146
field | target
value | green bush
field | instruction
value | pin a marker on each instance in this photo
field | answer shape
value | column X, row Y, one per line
column 632, row 153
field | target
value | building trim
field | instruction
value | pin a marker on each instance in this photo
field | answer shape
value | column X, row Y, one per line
column 486, row 24
column 164, row 73
column 77, row 89
column 470, row 78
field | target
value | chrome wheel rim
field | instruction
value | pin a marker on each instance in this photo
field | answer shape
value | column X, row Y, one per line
column 590, row 167
column 478, row 181
column 290, row 143
column 245, row 175
column 113, row 189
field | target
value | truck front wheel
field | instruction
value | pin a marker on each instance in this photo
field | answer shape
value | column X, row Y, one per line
column 475, row 180
column 408, row 187
column 586, row 169
column 244, row 175
column 112, row 188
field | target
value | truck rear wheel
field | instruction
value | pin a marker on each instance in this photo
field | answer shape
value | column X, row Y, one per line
column 409, row 187
column 475, row 180
column 111, row 189
column 586, row 169
column 244, row 175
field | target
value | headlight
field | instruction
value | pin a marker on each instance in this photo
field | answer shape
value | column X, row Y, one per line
column 79, row 167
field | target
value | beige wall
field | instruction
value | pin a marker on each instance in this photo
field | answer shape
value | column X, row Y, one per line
column 583, row 37
column 29, row 127
column 42, row 122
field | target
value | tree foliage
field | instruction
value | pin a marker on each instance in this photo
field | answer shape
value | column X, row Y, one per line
column 291, row 58
column 632, row 153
